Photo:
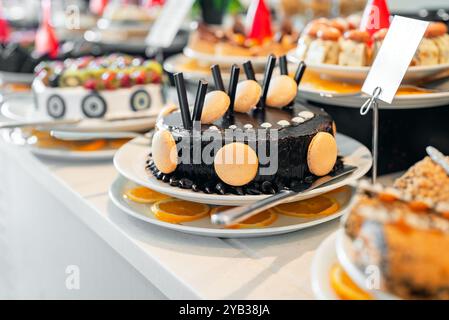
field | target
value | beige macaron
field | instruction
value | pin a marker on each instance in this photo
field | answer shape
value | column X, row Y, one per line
column 236, row 164
column 247, row 95
column 281, row 92
column 322, row 154
column 215, row 106
column 164, row 151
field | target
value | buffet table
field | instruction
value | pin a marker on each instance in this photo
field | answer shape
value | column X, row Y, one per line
column 57, row 215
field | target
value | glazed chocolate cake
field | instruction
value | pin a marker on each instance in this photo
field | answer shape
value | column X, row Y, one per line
column 292, row 144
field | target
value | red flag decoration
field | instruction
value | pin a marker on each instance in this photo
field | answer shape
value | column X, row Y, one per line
column 97, row 6
column 153, row 3
column 46, row 41
column 5, row 31
column 375, row 17
column 258, row 21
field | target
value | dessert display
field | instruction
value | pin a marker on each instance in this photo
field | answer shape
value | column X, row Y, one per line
column 125, row 22
column 89, row 87
column 404, row 231
column 236, row 42
column 338, row 41
column 172, row 210
column 238, row 123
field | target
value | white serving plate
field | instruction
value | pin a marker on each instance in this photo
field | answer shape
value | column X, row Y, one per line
column 22, row 108
column 16, row 77
column 411, row 101
column 58, row 154
column 130, row 162
column 224, row 60
column 344, row 255
column 324, row 259
column 359, row 73
column 203, row 227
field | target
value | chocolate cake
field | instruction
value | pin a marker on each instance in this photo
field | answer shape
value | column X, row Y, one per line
column 291, row 145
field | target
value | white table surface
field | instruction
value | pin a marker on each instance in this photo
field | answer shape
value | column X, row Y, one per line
column 178, row 265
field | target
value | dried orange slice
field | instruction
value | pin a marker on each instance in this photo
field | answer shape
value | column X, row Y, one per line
column 344, row 287
column 318, row 206
column 144, row 195
column 177, row 211
column 260, row 220
column 91, row 146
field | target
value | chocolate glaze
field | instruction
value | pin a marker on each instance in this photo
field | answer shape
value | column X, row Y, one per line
column 293, row 142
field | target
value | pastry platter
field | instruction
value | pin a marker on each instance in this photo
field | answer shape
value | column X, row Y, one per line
column 203, row 227
column 358, row 74
column 131, row 158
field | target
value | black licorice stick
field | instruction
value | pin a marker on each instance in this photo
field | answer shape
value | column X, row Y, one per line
column 283, row 65
column 182, row 98
column 249, row 70
column 199, row 100
column 300, row 72
column 235, row 71
column 267, row 78
column 218, row 80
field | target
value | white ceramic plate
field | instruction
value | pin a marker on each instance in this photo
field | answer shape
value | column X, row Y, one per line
column 344, row 255
column 324, row 259
column 58, row 154
column 130, row 162
column 203, row 227
column 22, row 108
column 224, row 60
column 359, row 73
column 411, row 101
column 16, row 77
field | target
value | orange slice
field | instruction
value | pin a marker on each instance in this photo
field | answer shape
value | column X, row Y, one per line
column 91, row 146
column 344, row 287
column 144, row 195
column 177, row 211
column 310, row 208
column 260, row 220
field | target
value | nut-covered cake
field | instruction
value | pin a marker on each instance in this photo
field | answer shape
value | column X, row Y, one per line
column 250, row 140
column 406, row 236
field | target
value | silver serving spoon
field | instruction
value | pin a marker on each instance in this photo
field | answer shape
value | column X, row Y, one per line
column 438, row 158
column 236, row 215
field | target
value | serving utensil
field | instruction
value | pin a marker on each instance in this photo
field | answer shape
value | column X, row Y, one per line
column 438, row 157
column 71, row 121
column 236, row 215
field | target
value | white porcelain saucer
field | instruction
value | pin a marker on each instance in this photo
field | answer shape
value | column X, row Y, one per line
column 324, row 259
column 224, row 60
column 203, row 227
column 359, row 74
column 130, row 162
column 360, row 278
column 404, row 101
column 22, row 108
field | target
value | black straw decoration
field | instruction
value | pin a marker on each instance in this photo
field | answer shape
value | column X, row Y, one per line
column 199, row 100
column 300, row 72
column 283, row 65
column 249, row 70
column 182, row 98
column 235, row 71
column 267, row 78
column 218, row 80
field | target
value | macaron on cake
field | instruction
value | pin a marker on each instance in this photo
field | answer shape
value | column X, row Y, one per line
column 251, row 139
column 98, row 87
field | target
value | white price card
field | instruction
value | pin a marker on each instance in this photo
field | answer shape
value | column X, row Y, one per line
column 394, row 57
column 168, row 23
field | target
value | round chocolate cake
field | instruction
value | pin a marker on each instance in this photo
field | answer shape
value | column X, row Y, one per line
column 271, row 144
